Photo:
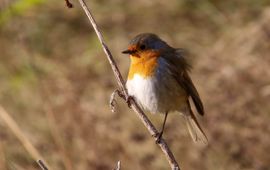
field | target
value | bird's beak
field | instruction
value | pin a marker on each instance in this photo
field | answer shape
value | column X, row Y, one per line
column 129, row 51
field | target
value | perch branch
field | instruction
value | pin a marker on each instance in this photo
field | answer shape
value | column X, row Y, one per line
column 152, row 130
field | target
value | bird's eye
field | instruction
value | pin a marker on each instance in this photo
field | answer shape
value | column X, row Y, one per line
column 142, row 47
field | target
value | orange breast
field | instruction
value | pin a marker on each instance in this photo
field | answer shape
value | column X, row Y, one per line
column 144, row 64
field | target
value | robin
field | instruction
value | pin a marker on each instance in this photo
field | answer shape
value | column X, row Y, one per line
column 158, row 80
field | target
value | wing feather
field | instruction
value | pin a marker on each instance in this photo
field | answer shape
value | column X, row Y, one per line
column 179, row 67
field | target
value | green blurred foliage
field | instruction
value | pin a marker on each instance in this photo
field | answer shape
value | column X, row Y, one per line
column 18, row 8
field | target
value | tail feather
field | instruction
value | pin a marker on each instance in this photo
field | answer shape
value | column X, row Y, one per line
column 195, row 130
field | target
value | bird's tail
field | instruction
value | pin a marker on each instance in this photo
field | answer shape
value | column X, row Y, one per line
column 195, row 129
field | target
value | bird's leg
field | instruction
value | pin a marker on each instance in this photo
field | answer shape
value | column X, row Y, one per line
column 163, row 127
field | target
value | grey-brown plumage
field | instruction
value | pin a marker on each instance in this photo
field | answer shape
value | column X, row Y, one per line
column 170, row 86
column 179, row 68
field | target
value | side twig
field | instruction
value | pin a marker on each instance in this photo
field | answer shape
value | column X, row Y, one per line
column 118, row 166
column 152, row 130
column 69, row 4
column 42, row 165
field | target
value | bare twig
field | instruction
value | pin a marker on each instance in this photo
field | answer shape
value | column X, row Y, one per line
column 153, row 131
column 113, row 101
column 42, row 165
column 19, row 134
column 118, row 166
column 69, row 4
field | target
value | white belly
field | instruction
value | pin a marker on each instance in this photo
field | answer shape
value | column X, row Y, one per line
column 144, row 92
column 156, row 94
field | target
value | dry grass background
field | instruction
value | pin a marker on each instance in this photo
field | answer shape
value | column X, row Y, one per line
column 55, row 82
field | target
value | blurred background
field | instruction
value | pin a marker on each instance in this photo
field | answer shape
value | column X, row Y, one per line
column 56, row 83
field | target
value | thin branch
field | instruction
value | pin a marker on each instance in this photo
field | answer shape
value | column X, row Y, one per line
column 69, row 4
column 152, row 130
column 42, row 165
column 13, row 126
column 118, row 166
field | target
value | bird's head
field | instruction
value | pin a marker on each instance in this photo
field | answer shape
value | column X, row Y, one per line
column 146, row 44
column 144, row 51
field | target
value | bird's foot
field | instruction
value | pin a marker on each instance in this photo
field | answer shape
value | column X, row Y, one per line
column 129, row 100
column 158, row 137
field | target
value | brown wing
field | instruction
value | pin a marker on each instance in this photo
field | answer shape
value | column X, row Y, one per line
column 179, row 68
column 186, row 82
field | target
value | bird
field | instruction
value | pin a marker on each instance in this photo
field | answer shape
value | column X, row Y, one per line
column 158, row 80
